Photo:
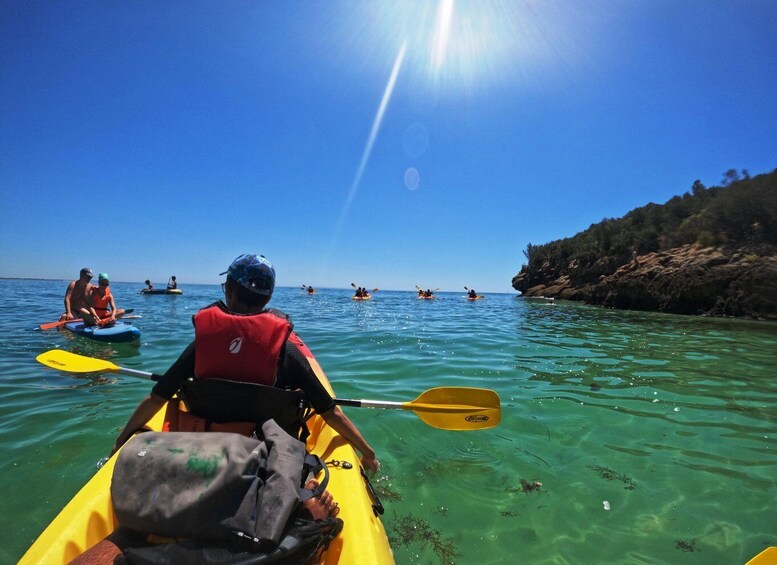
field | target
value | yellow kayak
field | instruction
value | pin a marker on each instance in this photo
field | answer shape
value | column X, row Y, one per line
column 89, row 517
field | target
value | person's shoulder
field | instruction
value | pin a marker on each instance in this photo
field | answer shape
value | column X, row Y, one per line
column 278, row 313
column 217, row 304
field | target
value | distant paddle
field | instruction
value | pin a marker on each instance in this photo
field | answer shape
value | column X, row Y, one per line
column 373, row 290
column 446, row 408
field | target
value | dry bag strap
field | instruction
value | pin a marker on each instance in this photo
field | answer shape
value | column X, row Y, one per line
column 313, row 464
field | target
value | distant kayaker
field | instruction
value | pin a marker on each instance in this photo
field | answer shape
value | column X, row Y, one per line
column 172, row 284
column 311, row 290
column 149, row 286
column 76, row 295
column 238, row 339
column 472, row 293
column 102, row 308
column 428, row 294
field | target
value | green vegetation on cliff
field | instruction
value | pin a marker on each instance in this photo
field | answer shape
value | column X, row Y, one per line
column 742, row 212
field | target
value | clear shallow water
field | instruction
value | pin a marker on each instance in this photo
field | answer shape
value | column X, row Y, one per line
column 669, row 419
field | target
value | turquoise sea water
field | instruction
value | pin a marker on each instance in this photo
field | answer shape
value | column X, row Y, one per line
column 671, row 420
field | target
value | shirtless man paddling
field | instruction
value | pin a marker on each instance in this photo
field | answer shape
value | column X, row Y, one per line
column 77, row 295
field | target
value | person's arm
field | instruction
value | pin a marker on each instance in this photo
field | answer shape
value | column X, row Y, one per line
column 343, row 426
column 68, row 296
column 90, row 305
column 149, row 406
column 297, row 372
column 163, row 390
column 112, row 303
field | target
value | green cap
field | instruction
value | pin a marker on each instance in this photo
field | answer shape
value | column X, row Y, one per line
column 103, row 277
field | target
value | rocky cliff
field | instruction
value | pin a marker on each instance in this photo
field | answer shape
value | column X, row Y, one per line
column 691, row 279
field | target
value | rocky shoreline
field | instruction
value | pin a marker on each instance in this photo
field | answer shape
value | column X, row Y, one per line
column 708, row 281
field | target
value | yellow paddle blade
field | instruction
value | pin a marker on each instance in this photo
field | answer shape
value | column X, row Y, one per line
column 72, row 363
column 767, row 557
column 458, row 408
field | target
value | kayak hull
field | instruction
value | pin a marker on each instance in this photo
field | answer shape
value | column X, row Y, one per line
column 89, row 516
column 119, row 332
column 173, row 291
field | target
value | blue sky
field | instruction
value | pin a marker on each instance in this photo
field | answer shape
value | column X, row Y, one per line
column 389, row 144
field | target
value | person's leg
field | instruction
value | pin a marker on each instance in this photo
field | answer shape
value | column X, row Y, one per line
column 109, row 548
column 320, row 507
column 89, row 320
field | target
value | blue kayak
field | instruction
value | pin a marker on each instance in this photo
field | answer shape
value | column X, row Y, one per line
column 118, row 332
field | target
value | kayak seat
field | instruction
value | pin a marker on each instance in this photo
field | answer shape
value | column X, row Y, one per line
column 221, row 401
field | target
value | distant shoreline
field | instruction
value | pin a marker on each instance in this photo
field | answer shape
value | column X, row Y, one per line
column 28, row 279
column 486, row 293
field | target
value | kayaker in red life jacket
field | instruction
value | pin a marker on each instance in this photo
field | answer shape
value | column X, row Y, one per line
column 77, row 295
column 102, row 308
column 240, row 340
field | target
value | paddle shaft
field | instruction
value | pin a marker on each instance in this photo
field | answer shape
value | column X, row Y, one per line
column 368, row 403
column 449, row 408
column 110, row 367
column 51, row 325
column 136, row 373
column 414, row 406
column 140, row 374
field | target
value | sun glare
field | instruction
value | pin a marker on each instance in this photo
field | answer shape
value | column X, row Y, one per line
column 442, row 33
column 449, row 49
column 376, row 123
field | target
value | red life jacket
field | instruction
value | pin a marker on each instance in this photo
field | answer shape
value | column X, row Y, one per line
column 238, row 347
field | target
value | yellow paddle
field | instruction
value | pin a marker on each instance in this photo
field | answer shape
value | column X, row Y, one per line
column 72, row 363
column 373, row 290
column 446, row 408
